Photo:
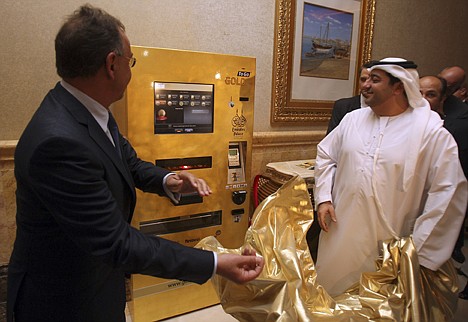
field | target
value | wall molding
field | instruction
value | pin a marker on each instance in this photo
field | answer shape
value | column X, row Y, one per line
column 286, row 138
column 7, row 153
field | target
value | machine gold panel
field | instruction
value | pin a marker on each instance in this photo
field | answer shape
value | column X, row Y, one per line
column 190, row 110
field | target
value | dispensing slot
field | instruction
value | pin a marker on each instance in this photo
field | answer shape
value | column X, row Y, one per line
column 181, row 223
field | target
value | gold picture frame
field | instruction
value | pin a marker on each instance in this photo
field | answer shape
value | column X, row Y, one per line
column 289, row 110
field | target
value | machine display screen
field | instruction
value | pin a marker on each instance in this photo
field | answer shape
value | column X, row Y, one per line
column 183, row 108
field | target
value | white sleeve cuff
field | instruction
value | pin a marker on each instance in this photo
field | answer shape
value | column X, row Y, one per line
column 174, row 196
column 215, row 255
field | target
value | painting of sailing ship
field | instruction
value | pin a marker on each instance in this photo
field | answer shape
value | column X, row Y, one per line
column 326, row 42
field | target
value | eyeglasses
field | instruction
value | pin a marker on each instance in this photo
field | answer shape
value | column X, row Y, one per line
column 131, row 60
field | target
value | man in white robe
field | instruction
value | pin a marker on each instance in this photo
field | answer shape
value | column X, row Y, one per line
column 387, row 171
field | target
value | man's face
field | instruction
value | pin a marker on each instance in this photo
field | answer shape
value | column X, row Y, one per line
column 377, row 88
column 431, row 89
column 123, row 70
column 362, row 79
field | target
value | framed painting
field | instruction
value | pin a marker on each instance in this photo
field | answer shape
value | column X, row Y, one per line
column 319, row 48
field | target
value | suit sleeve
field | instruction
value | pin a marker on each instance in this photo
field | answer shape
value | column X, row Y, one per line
column 341, row 108
column 146, row 176
column 70, row 180
column 335, row 118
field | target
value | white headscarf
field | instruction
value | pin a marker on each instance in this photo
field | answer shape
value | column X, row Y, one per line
column 408, row 76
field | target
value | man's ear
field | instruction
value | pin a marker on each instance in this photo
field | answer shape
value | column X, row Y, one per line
column 399, row 87
column 443, row 98
column 111, row 60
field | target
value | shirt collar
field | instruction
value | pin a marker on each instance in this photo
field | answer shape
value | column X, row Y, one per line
column 99, row 112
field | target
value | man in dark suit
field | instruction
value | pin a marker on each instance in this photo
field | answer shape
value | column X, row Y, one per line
column 455, row 115
column 76, row 178
column 433, row 89
column 342, row 107
column 346, row 105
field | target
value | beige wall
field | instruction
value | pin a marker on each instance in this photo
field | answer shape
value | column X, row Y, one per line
column 433, row 33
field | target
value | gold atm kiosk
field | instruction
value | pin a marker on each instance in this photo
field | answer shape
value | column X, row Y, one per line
column 189, row 111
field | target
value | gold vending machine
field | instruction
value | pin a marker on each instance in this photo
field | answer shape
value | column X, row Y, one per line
column 191, row 111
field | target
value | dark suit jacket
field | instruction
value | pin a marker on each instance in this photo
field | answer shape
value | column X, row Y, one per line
column 75, row 200
column 341, row 108
column 456, row 122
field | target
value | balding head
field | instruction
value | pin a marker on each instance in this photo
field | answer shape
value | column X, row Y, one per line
column 433, row 90
column 454, row 76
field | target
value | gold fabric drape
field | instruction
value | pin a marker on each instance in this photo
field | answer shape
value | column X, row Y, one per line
column 399, row 289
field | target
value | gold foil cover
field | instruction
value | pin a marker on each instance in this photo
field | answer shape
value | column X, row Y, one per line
column 286, row 290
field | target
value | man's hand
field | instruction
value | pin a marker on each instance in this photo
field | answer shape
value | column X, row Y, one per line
column 325, row 213
column 185, row 182
column 240, row 268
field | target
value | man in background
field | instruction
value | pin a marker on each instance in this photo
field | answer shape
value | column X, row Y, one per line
column 433, row 89
column 76, row 177
column 454, row 76
column 346, row 105
column 455, row 116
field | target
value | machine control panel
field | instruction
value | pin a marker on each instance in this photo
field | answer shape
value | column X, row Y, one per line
column 238, row 197
column 183, row 108
column 237, row 214
column 236, row 162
